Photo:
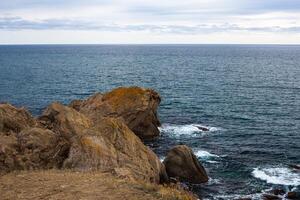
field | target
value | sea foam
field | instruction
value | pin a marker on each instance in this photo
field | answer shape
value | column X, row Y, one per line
column 277, row 175
column 205, row 154
column 187, row 129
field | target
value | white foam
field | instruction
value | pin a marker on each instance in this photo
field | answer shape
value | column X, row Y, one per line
column 187, row 129
column 162, row 158
column 204, row 154
column 212, row 161
column 277, row 175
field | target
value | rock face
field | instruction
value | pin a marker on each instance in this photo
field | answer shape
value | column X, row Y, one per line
column 64, row 120
column 136, row 106
column 41, row 149
column 14, row 119
column 112, row 146
column 181, row 163
column 104, row 143
column 8, row 152
column 24, row 146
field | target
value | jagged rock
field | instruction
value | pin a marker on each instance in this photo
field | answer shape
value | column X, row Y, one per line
column 181, row 163
column 64, row 120
column 112, row 146
column 14, row 119
column 136, row 106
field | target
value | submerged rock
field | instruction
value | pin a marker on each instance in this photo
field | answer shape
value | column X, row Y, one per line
column 293, row 195
column 182, row 163
column 294, row 166
column 270, row 197
column 112, row 146
column 202, row 128
column 277, row 191
column 136, row 106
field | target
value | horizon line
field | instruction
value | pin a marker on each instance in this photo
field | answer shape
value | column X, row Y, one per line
column 133, row 44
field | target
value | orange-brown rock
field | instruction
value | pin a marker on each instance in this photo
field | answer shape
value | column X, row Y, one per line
column 136, row 106
column 181, row 163
column 64, row 120
column 112, row 146
column 14, row 119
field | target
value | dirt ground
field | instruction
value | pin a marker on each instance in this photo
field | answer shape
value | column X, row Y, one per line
column 67, row 185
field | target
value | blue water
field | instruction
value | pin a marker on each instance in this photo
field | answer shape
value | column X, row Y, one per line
column 248, row 94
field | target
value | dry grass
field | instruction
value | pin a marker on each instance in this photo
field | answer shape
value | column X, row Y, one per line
column 55, row 184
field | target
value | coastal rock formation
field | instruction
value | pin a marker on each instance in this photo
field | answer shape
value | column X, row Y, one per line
column 32, row 148
column 62, row 135
column 181, row 163
column 14, row 119
column 112, row 146
column 8, row 152
column 41, row 149
column 64, row 120
column 136, row 106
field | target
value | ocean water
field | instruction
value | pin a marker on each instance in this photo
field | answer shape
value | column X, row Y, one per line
column 247, row 95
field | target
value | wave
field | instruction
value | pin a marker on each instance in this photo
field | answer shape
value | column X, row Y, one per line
column 277, row 175
column 187, row 129
column 205, row 154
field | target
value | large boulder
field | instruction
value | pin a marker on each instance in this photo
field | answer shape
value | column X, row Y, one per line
column 112, row 146
column 136, row 106
column 14, row 119
column 64, row 120
column 181, row 163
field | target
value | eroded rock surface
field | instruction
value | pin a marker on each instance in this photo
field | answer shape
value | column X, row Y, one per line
column 64, row 120
column 136, row 106
column 112, row 146
column 14, row 119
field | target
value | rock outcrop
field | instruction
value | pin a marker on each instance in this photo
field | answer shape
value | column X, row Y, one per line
column 181, row 163
column 112, row 146
column 41, row 149
column 64, row 120
column 31, row 148
column 14, row 119
column 136, row 106
column 102, row 133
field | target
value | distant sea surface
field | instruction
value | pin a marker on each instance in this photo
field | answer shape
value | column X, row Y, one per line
column 247, row 95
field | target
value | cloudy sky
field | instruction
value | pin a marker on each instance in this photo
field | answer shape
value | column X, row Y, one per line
column 149, row 21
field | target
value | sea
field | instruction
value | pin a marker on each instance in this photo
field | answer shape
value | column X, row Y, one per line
column 248, row 96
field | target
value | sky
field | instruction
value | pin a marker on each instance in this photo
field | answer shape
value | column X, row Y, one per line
column 149, row 21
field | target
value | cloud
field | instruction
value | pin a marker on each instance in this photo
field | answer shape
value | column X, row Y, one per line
column 17, row 23
column 164, row 18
